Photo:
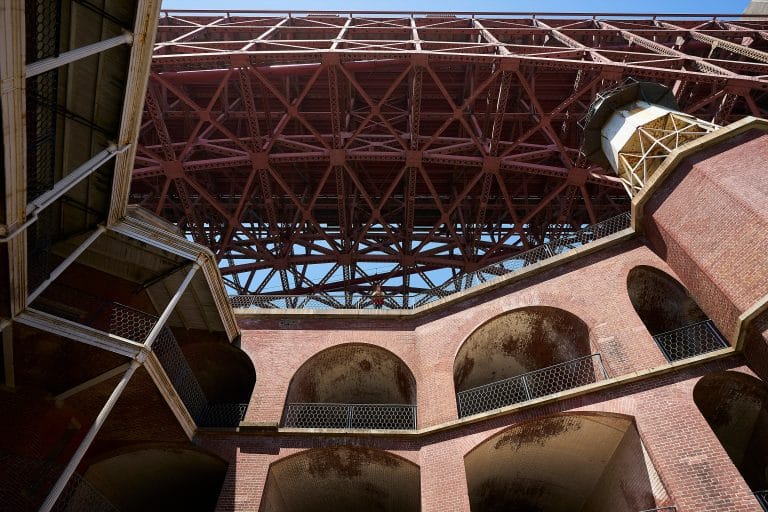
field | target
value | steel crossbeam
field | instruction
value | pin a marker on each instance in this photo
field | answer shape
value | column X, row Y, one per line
column 318, row 152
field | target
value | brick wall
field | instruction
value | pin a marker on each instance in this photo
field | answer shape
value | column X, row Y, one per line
column 593, row 288
column 694, row 468
column 709, row 222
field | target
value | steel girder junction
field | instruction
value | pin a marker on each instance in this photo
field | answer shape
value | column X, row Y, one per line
column 321, row 152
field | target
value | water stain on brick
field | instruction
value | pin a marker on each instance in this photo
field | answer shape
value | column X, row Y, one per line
column 348, row 462
column 537, row 432
column 353, row 373
column 518, row 342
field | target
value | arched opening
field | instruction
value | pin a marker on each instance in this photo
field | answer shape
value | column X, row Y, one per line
column 159, row 478
column 344, row 479
column 585, row 462
column 352, row 386
column 736, row 407
column 523, row 354
column 226, row 377
column 672, row 317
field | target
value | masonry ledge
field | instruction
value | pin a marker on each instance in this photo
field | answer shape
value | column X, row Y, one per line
column 273, row 430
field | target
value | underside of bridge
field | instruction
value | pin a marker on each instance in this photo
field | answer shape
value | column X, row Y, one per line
column 333, row 152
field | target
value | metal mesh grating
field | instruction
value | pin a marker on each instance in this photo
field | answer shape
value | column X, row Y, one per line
column 27, row 481
column 690, row 341
column 535, row 384
column 762, row 498
column 42, row 91
column 351, row 416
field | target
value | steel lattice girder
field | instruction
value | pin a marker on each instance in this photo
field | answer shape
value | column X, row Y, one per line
column 352, row 144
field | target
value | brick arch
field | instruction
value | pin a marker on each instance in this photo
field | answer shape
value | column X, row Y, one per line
column 661, row 302
column 570, row 461
column 159, row 476
column 225, row 373
column 519, row 341
column 342, row 479
column 736, row 407
column 353, row 373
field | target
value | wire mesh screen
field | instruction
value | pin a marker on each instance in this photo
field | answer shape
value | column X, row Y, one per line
column 762, row 498
column 351, row 416
column 39, row 242
column 222, row 415
column 690, row 341
column 42, row 91
column 175, row 365
column 27, row 482
column 80, row 495
column 535, row 384
column 457, row 284
column 130, row 323
column 43, row 40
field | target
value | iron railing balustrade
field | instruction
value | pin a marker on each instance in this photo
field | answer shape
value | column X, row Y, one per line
column 690, row 340
column 527, row 386
column 350, row 416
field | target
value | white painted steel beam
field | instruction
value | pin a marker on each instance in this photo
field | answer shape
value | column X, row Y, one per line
column 44, row 65
column 14, row 173
column 13, row 104
column 66, row 263
column 78, row 332
column 160, row 324
column 50, row 501
column 92, row 382
column 147, row 17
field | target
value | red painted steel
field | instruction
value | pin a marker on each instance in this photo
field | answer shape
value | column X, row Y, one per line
column 329, row 151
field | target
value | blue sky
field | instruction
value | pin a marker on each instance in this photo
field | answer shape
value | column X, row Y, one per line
column 661, row 6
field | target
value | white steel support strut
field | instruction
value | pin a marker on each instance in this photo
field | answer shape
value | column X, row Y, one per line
column 63, row 186
column 50, row 501
column 57, row 489
column 155, row 332
column 66, row 263
column 41, row 66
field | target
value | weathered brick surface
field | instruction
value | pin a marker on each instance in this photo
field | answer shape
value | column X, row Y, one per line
column 695, row 470
column 593, row 288
column 709, row 222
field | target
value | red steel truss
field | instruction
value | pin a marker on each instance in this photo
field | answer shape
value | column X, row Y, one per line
column 330, row 151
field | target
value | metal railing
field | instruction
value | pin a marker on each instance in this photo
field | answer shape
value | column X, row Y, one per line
column 135, row 325
column 350, row 416
column 762, row 498
column 527, row 386
column 28, row 481
column 690, row 341
column 464, row 281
